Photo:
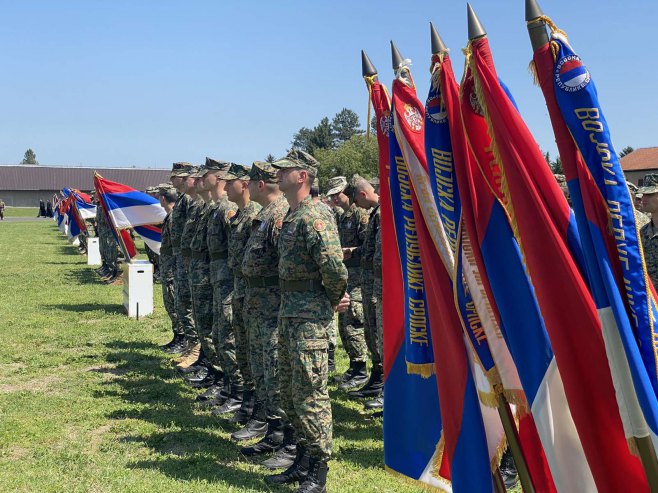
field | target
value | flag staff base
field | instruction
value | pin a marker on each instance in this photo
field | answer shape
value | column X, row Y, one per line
column 649, row 461
column 499, row 484
column 507, row 419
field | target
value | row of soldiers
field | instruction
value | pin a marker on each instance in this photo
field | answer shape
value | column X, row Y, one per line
column 254, row 268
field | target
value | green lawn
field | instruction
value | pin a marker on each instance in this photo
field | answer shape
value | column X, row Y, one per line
column 21, row 211
column 89, row 404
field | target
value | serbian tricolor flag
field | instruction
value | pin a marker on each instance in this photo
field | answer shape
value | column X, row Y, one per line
column 542, row 223
column 412, row 420
column 129, row 208
column 470, row 448
column 624, row 297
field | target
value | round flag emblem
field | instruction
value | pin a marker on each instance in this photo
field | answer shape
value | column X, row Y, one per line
column 570, row 74
column 435, row 111
column 385, row 123
column 413, row 118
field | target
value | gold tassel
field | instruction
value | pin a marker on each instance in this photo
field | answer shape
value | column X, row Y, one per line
column 425, row 370
column 419, row 484
column 370, row 80
column 532, row 68
column 632, row 447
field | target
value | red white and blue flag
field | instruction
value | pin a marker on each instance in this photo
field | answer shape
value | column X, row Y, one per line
column 543, row 225
column 129, row 208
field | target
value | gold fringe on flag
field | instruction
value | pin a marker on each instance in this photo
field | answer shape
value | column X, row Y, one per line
column 415, row 482
column 425, row 370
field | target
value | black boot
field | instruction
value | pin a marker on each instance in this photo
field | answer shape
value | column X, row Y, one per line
column 373, row 388
column 179, row 348
column 316, row 480
column 332, row 362
column 347, row 375
column 255, row 428
column 285, row 456
column 374, row 404
column 271, row 442
column 211, row 393
column 243, row 414
column 171, row 343
column 508, row 470
column 296, row 472
column 201, row 362
column 203, row 378
column 359, row 377
column 233, row 403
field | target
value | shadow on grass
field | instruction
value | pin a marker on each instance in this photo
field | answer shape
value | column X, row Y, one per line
column 88, row 307
column 68, row 250
column 188, row 442
column 83, row 276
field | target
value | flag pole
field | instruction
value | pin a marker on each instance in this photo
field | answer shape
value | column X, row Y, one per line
column 475, row 31
column 538, row 34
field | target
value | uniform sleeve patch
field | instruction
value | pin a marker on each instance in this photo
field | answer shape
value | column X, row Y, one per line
column 364, row 219
column 319, row 225
column 279, row 224
column 230, row 214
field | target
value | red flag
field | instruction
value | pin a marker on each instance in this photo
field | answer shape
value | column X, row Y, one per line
column 542, row 221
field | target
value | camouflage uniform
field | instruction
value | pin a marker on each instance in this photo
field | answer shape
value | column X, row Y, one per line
column 182, row 294
column 352, row 229
column 373, row 336
column 377, row 287
column 262, row 300
column 332, row 215
column 649, row 238
column 221, row 279
column 313, row 280
column 167, row 274
column 240, row 230
column 200, row 286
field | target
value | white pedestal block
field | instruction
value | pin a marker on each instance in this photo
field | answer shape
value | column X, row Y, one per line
column 93, row 252
column 138, row 288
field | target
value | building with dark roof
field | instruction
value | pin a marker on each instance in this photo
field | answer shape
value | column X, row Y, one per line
column 24, row 185
column 640, row 163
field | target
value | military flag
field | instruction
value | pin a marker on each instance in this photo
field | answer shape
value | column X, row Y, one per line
column 412, row 421
column 543, row 226
column 473, row 433
column 624, row 297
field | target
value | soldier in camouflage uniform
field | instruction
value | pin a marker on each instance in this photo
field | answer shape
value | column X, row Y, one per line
column 201, row 287
column 227, row 396
column 365, row 197
column 167, row 196
column 261, row 310
column 313, row 282
column 649, row 232
column 377, row 293
column 194, row 358
column 352, row 225
column 183, row 301
column 153, row 257
column 237, row 188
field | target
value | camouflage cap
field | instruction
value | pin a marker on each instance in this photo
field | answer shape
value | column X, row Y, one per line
column 263, row 171
column 649, row 184
column 336, row 185
column 193, row 172
column 151, row 190
column 182, row 169
column 298, row 159
column 632, row 188
column 201, row 171
column 237, row 172
column 163, row 187
column 374, row 181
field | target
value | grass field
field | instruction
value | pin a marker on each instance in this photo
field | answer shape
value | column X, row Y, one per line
column 88, row 403
column 21, row 211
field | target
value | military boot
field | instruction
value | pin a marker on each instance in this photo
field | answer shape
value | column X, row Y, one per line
column 191, row 358
column 297, row 472
column 171, row 343
column 359, row 376
column 210, row 394
column 180, row 347
column 316, row 480
column 347, row 375
column 201, row 363
column 243, row 414
column 373, row 388
column 233, row 403
column 285, row 456
column 374, row 404
column 212, row 377
column 256, row 427
column 271, row 442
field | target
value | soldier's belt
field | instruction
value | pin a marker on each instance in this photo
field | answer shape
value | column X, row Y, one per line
column 303, row 285
column 262, row 282
column 199, row 255
column 219, row 255
column 166, row 251
column 186, row 252
column 352, row 262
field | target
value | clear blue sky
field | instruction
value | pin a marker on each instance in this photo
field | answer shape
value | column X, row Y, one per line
column 122, row 83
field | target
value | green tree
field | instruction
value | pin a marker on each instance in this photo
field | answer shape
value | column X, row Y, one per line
column 270, row 158
column 345, row 125
column 556, row 166
column 626, row 151
column 354, row 156
column 319, row 137
column 30, row 157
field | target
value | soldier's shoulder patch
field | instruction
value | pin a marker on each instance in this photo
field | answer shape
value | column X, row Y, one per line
column 319, row 225
column 278, row 224
column 364, row 219
column 230, row 213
